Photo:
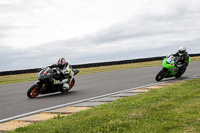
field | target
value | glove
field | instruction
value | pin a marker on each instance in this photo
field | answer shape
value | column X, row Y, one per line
column 54, row 70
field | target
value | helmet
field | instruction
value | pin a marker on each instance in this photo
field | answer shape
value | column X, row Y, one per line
column 182, row 51
column 61, row 63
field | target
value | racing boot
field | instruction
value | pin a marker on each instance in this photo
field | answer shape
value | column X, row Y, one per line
column 65, row 87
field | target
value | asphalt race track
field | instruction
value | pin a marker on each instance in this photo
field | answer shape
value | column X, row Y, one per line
column 14, row 101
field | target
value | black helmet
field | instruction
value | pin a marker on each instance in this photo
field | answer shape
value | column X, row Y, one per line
column 61, row 63
column 182, row 51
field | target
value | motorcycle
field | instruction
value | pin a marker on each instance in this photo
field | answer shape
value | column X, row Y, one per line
column 46, row 84
column 170, row 68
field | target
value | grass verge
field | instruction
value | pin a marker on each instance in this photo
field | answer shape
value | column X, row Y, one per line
column 174, row 109
column 10, row 79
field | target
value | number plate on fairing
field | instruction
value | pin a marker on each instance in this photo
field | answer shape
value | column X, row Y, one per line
column 170, row 60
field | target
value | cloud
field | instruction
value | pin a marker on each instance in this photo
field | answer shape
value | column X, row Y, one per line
column 40, row 20
column 147, row 28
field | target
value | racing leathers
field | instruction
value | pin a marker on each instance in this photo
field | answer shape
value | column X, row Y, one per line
column 66, row 73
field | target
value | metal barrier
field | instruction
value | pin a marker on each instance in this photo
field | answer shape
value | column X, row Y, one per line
column 98, row 64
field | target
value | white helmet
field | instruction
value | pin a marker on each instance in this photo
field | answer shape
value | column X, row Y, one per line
column 61, row 63
column 182, row 51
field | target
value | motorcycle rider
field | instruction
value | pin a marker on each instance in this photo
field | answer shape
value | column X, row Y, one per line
column 183, row 59
column 65, row 70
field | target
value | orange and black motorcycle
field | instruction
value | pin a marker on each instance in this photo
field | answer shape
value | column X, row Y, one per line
column 46, row 84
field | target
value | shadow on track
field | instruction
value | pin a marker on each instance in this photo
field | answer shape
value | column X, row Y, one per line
column 54, row 95
column 173, row 79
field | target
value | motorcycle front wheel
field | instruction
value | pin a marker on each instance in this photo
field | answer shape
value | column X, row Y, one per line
column 33, row 91
column 160, row 75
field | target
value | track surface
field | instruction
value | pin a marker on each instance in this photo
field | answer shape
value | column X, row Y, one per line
column 13, row 99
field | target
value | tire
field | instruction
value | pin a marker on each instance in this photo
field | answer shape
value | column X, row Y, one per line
column 33, row 91
column 177, row 75
column 160, row 75
column 71, row 84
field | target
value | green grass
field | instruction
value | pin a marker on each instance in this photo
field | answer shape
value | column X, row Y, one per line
column 173, row 109
column 9, row 79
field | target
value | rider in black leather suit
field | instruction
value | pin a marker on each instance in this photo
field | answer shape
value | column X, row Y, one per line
column 183, row 59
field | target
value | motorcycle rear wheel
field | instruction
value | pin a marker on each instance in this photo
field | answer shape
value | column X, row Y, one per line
column 71, row 84
column 178, row 75
column 33, row 91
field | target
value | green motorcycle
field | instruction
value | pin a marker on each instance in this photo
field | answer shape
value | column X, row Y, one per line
column 170, row 68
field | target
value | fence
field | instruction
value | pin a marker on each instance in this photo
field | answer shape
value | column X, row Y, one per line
column 91, row 65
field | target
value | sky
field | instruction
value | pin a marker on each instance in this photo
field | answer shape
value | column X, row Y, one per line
column 36, row 33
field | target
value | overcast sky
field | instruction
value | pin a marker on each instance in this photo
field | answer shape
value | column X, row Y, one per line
column 36, row 33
